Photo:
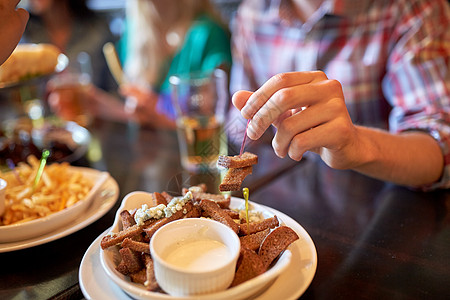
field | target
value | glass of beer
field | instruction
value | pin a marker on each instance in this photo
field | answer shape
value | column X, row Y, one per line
column 68, row 91
column 201, row 101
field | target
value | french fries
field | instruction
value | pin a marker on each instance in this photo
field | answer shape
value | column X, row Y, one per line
column 59, row 188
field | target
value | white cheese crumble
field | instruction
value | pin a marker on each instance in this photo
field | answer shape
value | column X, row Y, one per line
column 196, row 189
column 253, row 215
column 160, row 211
column 145, row 213
column 177, row 203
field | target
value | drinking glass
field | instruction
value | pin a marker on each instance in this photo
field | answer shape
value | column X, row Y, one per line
column 201, row 101
column 69, row 91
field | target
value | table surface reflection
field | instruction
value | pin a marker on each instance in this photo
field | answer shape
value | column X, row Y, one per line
column 374, row 240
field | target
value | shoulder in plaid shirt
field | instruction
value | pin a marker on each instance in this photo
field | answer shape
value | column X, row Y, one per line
column 392, row 58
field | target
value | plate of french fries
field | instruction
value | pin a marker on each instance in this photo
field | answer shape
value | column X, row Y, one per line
column 249, row 281
column 34, row 208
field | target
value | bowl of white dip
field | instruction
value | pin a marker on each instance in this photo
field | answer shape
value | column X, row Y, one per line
column 194, row 256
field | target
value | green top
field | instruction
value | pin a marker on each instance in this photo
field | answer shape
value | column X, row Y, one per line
column 205, row 47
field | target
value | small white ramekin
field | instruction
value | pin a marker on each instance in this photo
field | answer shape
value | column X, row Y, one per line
column 178, row 281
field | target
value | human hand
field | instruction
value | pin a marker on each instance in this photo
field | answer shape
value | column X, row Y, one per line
column 12, row 26
column 96, row 102
column 309, row 113
column 140, row 102
column 144, row 98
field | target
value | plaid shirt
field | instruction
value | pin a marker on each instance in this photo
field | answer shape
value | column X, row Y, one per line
column 391, row 57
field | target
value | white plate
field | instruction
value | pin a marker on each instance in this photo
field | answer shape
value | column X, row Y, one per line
column 101, row 204
column 108, row 258
column 292, row 283
column 40, row 226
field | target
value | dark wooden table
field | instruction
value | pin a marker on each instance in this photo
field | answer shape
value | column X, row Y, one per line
column 374, row 240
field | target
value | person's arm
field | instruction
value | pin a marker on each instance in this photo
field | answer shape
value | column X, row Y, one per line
column 417, row 86
column 146, row 112
column 409, row 158
column 310, row 114
column 12, row 25
column 417, row 80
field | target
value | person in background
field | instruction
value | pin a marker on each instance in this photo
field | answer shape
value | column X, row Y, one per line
column 163, row 38
column 73, row 28
column 12, row 24
column 380, row 104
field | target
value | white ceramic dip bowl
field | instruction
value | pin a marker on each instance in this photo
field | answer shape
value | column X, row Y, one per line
column 194, row 256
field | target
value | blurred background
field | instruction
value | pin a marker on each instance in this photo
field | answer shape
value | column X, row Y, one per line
column 114, row 10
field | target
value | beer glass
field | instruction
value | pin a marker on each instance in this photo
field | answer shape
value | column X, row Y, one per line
column 201, row 101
